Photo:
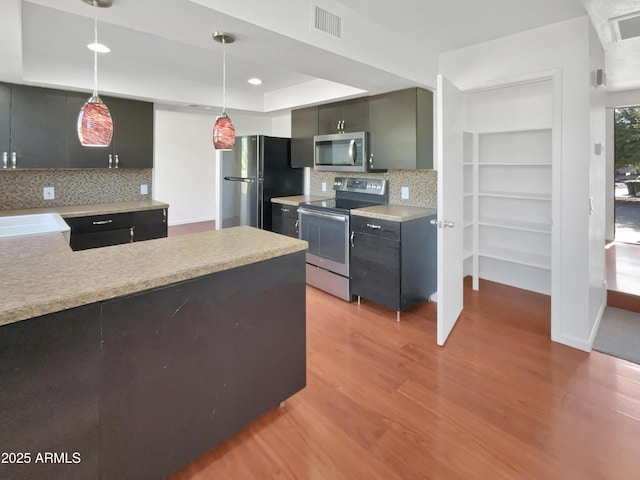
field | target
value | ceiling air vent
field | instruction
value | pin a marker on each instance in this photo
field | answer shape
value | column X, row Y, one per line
column 327, row 22
column 626, row 27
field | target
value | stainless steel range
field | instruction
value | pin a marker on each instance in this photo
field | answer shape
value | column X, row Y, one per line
column 325, row 225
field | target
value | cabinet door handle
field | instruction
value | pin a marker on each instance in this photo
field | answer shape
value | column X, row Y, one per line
column 297, row 226
column 14, row 160
column 131, row 232
column 338, row 126
column 285, row 210
column 351, row 238
column 5, row 159
column 164, row 215
column 117, row 161
column 373, row 226
column 102, row 222
column 342, row 126
column 110, row 160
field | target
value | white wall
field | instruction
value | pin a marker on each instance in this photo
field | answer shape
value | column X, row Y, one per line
column 563, row 46
column 185, row 163
column 598, row 187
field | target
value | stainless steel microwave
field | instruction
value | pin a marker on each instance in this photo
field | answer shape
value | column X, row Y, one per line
column 341, row 152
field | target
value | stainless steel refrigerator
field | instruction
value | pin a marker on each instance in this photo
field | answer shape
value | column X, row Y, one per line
column 257, row 170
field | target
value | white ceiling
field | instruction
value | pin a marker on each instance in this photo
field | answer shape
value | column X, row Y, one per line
column 162, row 49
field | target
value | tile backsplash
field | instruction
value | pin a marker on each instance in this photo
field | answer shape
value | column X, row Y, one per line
column 422, row 185
column 23, row 188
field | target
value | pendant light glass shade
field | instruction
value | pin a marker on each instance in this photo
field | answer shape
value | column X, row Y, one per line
column 224, row 133
column 95, row 126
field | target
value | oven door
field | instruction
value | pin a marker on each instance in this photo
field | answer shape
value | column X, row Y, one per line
column 328, row 236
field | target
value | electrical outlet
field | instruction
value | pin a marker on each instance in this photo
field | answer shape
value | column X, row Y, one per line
column 144, row 189
column 48, row 193
column 405, row 193
column 324, row 186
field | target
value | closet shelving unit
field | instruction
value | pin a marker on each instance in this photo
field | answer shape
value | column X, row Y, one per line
column 507, row 207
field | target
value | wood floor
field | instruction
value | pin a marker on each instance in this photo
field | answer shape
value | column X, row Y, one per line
column 623, row 276
column 499, row 401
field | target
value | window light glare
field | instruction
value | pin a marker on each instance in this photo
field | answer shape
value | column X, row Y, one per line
column 255, row 81
column 98, row 47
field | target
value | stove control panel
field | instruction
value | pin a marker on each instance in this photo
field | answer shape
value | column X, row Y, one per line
column 372, row 186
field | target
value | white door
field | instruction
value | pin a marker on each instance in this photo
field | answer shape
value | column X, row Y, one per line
column 450, row 202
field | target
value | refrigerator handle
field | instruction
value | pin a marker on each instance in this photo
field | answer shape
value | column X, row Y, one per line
column 242, row 179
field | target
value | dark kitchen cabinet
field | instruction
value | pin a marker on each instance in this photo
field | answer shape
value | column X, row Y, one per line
column 132, row 142
column 393, row 263
column 347, row 116
column 132, row 132
column 304, row 126
column 285, row 219
column 401, row 129
column 95, row 231
column 50, row 394
column 150, row 224
column 38, row 128
column 5, row 123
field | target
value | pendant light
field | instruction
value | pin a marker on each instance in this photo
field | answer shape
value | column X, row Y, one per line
column 95, row 126
column 224, row 133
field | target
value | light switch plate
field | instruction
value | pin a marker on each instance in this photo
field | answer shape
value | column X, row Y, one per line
column 405, row 193
column 144, row 189
column 48, row 193
column 324, row 186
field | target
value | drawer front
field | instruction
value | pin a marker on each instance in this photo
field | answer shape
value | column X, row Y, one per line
column 376, row 227
column 83, row 241
column 287, row 210
column 100, row 223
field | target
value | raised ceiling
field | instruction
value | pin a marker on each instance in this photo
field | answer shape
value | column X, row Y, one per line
column 162, row 49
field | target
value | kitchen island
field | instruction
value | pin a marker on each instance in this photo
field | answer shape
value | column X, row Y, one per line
column 130, row 361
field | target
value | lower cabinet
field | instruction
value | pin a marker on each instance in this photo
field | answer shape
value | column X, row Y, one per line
column 285, row 219
column 113, row 229
column 393, row 263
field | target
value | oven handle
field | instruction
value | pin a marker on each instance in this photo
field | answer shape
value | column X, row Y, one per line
column 332, row 216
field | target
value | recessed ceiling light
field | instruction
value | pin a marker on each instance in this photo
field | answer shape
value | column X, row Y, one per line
column 98, row 47
column 255, row 81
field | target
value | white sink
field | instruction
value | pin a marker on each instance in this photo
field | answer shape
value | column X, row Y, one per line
column 33, row 224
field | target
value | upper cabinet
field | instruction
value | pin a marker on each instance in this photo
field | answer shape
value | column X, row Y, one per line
column 400, row 126
column 132, row 132
column 132, row 142
column 5, row 122
column 347, row 116
column 38, row 127
column 401, row 129
column 304, row 126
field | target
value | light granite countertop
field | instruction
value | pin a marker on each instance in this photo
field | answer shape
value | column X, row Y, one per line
column 395, row 213
column 93, row 209
column 296, row 200
column 41, row 274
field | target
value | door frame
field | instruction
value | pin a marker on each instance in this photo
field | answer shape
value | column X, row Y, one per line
column 555, row 76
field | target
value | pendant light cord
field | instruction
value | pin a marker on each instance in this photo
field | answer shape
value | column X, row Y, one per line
column 224, row 76
column 95, row 49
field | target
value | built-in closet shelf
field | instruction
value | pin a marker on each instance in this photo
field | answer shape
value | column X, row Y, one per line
column 467, row 254
column 515, row 225
column 467, row 194
column 513, row 164
column 515, row 256
column 467, row 164
column 468, row 223
column 517, row 195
